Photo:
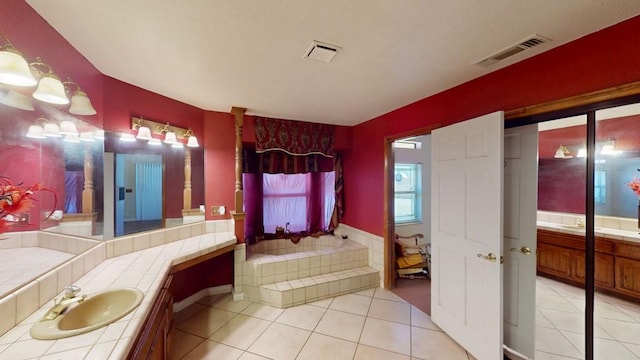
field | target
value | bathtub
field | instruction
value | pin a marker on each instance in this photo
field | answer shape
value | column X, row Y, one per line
column 273, row 261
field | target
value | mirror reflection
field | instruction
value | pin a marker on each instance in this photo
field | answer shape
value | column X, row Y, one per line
column 562, row 165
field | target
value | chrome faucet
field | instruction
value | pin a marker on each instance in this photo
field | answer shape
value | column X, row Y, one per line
column 60, row 306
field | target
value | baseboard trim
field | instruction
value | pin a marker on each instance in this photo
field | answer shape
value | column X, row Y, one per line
column 216, row 290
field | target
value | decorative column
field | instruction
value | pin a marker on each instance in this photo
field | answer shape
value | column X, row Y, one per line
column 88, row 206
column 238, row 214
column 186, row 193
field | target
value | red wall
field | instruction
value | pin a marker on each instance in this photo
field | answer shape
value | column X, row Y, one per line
column 219, row 162
column 604, row 59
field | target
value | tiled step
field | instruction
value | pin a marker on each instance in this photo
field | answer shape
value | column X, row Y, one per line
column 299, row 291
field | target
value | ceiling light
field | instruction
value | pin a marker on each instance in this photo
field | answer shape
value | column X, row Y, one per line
column 14, row 69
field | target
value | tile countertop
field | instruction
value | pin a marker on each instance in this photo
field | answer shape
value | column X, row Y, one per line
column 616, row 234
column 144, row 269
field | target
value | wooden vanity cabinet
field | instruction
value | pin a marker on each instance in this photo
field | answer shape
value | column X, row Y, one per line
column 561, row 256
column 155, row 340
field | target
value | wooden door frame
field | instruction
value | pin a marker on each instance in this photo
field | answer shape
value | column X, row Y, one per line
column 389, row 223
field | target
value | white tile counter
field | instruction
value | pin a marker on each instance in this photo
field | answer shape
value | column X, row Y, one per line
column 144, row 269
column 609, row 233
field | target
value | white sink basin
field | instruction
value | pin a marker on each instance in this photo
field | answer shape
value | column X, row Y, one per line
column 95, row 312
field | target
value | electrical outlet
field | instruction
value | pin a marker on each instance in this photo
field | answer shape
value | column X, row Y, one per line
column 217, row 210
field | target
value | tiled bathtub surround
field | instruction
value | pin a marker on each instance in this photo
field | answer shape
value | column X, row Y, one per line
column 283, row 274
column 19, row 305
column 374, row 243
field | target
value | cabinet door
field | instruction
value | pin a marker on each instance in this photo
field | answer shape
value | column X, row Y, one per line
column 604, row 269
column 628, row 276
column 554, row 260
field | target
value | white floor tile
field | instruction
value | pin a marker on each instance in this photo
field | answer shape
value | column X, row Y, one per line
column 390, row 310
column 211, row 350
column 206, row 322
column 227, row 303
column 321, row 347
column 354, row 304
column 428, row 344
column 322, row 303
column 304, row 316
column 281, row 342
column 381, row 293
column 341, row 325
column 250, row 356
column 602, row 348
column 241, row 331
column 387, row 335
column 262, row 311
column 552, row 341
column 364, row 352
column 622, row 330
column 183, row 343
column 420, row 319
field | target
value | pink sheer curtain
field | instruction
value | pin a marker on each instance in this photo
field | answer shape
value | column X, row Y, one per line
column 303, row 201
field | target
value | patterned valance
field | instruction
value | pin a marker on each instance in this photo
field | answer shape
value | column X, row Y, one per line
column 278, row 162
column 294, row 137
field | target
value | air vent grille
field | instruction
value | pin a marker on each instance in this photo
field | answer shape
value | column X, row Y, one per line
column 526, row 44
column 320, row 51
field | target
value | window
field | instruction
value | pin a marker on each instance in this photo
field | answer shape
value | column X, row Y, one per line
column 408, row 193
column 600, row 187
column 297, row 202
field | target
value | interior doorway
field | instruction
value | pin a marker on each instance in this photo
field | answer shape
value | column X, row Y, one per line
column 139, row 188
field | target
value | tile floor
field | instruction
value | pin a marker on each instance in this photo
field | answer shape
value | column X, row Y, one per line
column 560, row 324
column 377, row 324
column 370, row 324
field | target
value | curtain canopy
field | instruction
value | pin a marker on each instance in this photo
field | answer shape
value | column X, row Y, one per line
column 294, row 137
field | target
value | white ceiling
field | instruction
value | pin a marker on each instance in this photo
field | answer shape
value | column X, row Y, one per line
column 215, row 54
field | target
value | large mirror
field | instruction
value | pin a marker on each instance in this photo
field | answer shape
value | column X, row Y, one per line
column 562, row 165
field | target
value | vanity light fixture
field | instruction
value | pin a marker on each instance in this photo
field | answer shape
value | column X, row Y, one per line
column 17, row 100
column 50, row 89
column 170, row 138
column 192, row 140
column 14, row 69
column 36, row 132
column 68, row 128
column 126, row 137
column 80, row 102
column 144, row 133
column 562, row 153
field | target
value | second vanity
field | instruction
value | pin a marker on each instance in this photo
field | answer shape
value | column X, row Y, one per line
column 561, row 256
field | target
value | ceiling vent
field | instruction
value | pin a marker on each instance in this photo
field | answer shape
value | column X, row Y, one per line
column 323, row 52
column 526, row 44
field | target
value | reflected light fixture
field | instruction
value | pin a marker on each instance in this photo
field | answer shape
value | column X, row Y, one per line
column 562, row 153
column 192, row 140
column 170, row 138
column 88, row 136
column 14, row 69
column 50, row 88
column 609, row 148
column 51, row 129
column 71, row 138
column 68, row 128
column 126, row 137
column 17, row 100
column 99, row 135
column 582, row 152
column 80, row 102
column 155, row 142
column 36, row 132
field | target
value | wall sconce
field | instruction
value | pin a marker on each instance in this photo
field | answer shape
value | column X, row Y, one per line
column 80, row 102
column 171, row 134
column 562, row 153
column 14, row 69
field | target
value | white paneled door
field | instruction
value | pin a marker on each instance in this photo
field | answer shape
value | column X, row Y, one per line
column 520, row 204
column 467, row 212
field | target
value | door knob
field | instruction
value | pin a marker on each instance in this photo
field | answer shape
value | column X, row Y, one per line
column 490, row 256
column 523, row 250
